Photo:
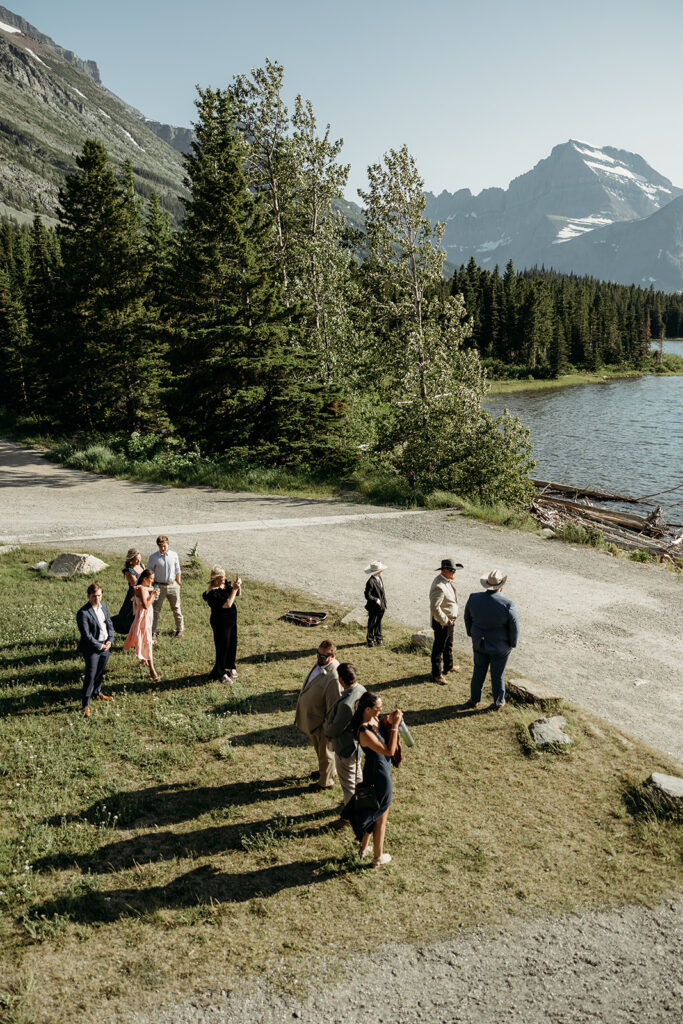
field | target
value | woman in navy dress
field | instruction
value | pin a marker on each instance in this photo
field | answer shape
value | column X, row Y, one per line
column 220, row 597
column 376, row 773
column 131, row 570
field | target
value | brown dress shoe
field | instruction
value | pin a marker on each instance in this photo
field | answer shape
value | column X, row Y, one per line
column 439, row 679
column 499, row 706
column 103, row 696
column 86, row 712
column 456, row 668
column 472, row 703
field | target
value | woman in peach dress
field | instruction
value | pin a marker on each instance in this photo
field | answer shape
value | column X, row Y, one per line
column 140, row 634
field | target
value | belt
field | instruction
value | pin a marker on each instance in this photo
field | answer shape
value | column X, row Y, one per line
column 167, row 583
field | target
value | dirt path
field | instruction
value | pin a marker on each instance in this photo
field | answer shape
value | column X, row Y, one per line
column 606, row 632
column 621, row 967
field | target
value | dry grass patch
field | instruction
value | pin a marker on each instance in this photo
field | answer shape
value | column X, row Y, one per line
column 173, row 842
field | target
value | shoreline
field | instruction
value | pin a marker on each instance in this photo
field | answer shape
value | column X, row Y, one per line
column 506, row 387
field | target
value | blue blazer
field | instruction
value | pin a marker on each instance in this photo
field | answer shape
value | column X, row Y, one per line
column 492, row 622
column 89, row 628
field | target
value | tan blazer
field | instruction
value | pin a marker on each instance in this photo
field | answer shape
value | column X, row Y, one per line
column 443, row 600
column 317, row 697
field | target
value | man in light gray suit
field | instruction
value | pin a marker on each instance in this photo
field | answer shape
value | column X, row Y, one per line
column 320, row 691
column 338, row 729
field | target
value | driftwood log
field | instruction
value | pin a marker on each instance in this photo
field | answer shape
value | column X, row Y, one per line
column 553, row 509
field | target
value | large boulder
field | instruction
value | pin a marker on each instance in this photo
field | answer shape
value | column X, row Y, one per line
column 356, row 617
column 69, row 564
column 670, row 786
column 423, row 640
column 546, row 732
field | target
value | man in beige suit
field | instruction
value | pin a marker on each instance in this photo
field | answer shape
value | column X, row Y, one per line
column 443, row 605
column 320, row 691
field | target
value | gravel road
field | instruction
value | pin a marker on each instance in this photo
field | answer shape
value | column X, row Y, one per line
column 605, row 632
column 621, row 967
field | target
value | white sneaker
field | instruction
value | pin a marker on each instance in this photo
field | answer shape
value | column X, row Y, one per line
column 233, row 673
column 384, row 858
column 225, row 678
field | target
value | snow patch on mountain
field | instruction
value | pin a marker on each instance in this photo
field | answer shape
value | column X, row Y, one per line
column 9, row 28
column 580, row 226
column 490, row 246
column 36, row 57
column 128, row 135
column 80, row 93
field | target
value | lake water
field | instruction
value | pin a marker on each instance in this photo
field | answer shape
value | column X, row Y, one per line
column 623, row 436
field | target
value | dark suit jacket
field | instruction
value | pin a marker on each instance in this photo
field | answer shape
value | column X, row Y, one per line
column 374, row 589
column 89, row 628
column 491, row 620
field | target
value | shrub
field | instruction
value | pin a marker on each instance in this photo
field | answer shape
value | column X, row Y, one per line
column 640, row 555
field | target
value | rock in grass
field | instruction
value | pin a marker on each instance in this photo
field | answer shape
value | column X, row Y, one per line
column 69, row 564
column 670, row 785
column 423, row 640
column 547, row 732
column 356, row 617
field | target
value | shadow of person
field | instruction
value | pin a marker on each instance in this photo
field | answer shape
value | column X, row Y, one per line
column 203, row 885
column 157, row 846
column 169, row 804
column 278, row 736
column 307, row 652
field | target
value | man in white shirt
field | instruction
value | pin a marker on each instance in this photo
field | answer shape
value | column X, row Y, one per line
column 165, row 565
column 443, row 604
column 320, row 691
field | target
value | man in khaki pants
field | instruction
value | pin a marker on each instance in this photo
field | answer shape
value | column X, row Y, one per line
column 320, row 691
column 165, row 565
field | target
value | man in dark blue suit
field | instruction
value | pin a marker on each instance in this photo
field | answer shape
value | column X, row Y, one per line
column 492, row 622
column 97, row 633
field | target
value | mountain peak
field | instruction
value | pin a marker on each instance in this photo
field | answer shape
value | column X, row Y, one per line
column 14, row 25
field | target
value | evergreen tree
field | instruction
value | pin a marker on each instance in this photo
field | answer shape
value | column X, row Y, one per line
column 243, row 387
column 111, row 366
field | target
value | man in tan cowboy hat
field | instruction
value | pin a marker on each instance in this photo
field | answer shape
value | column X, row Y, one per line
column 375, row 602
column 443, row 604
column 492, row 622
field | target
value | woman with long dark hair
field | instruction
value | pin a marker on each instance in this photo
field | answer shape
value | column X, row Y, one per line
column 368, row 810
column 123, row 620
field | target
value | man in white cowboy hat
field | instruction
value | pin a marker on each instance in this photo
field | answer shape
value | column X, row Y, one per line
column 492, row 622
column 443, row 605
column 375, row 602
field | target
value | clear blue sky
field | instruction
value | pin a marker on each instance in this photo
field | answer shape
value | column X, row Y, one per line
column 480, row 91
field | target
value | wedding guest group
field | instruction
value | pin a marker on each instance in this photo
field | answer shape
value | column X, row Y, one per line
column 96, row 637
column 165, row 566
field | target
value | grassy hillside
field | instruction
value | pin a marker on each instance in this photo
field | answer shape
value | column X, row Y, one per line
column 172, row 842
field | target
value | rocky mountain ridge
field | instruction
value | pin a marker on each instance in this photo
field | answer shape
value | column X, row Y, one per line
column 545, row 216
column 50, row 102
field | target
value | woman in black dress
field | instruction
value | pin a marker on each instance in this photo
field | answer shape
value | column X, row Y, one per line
column 131, row 571
column 220, row 597
column 376, row 774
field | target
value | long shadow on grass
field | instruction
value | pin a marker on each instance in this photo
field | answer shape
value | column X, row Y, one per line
column 264, row 703
column 396, row 684
column 49, row 655
column 156, row 846
column 278, row 736
column 430, row 715
column 273, row 656
column 56, row 696
column 169, row 804
column 203, row 886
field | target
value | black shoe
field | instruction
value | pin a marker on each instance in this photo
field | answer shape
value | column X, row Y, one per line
column 370, row 643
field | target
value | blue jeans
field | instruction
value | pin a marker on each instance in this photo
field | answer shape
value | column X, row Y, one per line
column 482, row 662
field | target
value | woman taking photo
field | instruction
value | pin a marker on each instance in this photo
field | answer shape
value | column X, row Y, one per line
column 131, row 571
column 139, row 636
column 372, row 821
column 220, row 597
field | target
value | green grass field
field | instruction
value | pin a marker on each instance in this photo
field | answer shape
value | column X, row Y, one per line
column 172, row 843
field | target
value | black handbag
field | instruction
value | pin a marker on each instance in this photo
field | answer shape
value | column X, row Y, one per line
column 365, row 798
